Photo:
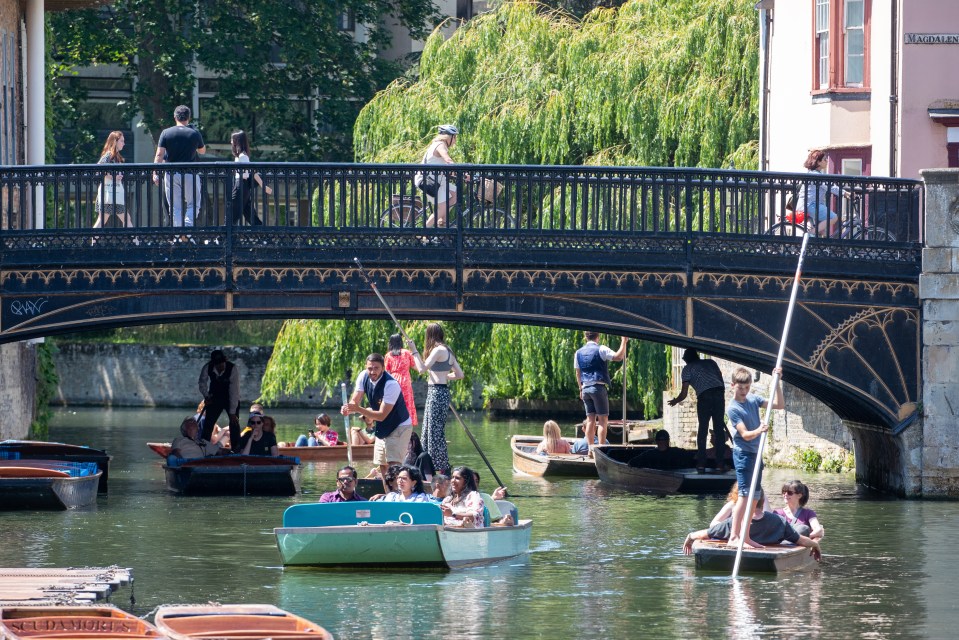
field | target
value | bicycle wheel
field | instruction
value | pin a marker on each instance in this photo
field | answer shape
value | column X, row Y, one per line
column 789, row 229
column 492, row 218
column 879, row 234
column 391, row 217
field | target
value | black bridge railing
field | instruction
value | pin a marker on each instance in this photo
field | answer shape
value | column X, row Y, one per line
column 147, row 203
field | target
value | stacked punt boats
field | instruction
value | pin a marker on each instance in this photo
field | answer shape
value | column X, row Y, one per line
column 614, row 468
column 233, row 475
column 37, row 450
column 716, row 555
column 235, row 622
column 73, row 623
column 48, row 484
column 379, row 535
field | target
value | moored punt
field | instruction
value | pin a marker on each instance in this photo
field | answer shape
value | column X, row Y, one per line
column 526, row 460
column 613, row 467
column 715, row 555
column 370, row 535
column 233, row 475
column 37, row 450
column 636, row 430
column 73, row 622
column 305, row 454
column 235, row 622
column 47, row 484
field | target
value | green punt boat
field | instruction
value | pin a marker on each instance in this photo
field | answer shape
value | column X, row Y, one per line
column 367, row 535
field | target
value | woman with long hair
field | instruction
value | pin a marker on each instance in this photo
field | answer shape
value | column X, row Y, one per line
column 441, row 366
column 242, row 196
column 553, row 441
column 111, row 201
column 463, row 507
column 398, row 363
column 409, row 487
column 803, row 520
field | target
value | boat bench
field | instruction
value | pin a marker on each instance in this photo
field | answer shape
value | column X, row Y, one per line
column 340, row 514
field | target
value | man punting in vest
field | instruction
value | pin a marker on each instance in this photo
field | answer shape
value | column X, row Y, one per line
column 220, row 387
column 592, row 376
column 387, row 410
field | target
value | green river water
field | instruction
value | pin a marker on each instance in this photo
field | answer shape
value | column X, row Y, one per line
column 603, row 563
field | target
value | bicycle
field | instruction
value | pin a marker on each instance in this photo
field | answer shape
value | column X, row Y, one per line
column 795, row 223
column 478, row 211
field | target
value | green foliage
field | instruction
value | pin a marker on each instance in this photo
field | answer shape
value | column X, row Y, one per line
column 840, row 462
column 286, row 73
column 47, row 382
column 235, row 333
column 808, row 459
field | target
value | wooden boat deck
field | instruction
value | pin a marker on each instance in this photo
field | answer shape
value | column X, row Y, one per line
column 73, row 623
column 229, row 621
column 716, row 555
column 33, row 586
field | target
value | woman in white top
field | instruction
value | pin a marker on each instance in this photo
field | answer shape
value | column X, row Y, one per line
column 111, row 203
column 441, row 366
column 243, row 181
column 439, row 153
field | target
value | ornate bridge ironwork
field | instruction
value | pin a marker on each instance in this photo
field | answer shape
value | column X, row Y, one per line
column 682, row 257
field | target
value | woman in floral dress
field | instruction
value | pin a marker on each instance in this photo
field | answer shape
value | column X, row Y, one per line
column 399, row 361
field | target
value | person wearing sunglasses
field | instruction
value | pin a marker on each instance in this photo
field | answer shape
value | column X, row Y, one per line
column 795, row 497
column 259, row 442
column 345, row 487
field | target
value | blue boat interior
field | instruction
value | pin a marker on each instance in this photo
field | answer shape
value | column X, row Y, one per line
column 73, row 469
column 339, row 514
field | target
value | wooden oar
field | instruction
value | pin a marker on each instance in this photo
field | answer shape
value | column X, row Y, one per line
column 744, row 531
column 346, row 424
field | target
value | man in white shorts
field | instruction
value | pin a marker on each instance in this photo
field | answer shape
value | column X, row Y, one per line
column 387, row 409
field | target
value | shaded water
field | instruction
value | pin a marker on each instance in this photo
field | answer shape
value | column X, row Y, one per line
column 604, row 563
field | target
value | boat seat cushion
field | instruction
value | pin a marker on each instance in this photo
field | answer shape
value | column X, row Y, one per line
column 338, row 514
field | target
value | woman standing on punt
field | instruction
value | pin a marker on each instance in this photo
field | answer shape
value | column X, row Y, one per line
column 399, row 361
column 442, row 367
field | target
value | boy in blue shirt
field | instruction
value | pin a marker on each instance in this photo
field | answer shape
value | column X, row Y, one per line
column 743, row 413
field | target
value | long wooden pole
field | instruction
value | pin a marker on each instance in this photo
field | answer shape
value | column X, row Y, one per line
column 346, row 424
column 744, row 530
column 625, row 426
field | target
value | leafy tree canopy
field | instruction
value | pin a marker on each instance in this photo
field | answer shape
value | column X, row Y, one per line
column 284, row 70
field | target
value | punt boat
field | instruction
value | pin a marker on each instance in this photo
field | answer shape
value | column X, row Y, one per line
column 374, row 535
column 37, row 450
column 305, row 454
column 235, row 622
column 233, row 475
column 48, row 484
column 715, row 555
column 526, row 460
column 614, row 468
column 73, row 623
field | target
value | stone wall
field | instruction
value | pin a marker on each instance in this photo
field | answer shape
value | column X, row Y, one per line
column 18, row 385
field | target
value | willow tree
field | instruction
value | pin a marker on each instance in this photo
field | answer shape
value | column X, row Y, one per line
column 653, row 82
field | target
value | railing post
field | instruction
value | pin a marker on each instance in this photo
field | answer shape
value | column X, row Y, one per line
column 460, row 203
column 689, row 227
column 228, row 241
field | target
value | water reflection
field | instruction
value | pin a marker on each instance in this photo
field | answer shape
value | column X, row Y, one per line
column 605, row 563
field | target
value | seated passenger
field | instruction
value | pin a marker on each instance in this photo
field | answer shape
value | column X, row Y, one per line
column 491, row 509
column 359, row 434
column 441, row 487
column 663, row 456
column 259, row 441
column 189, row 445
column 389, row 481
column 731, row 498
column 345, row 487
column 409, row 487
column 463, row 507
column 553, row 441
column 796, row 495
column 769, row 529
column 416, row 457
column 322, row 436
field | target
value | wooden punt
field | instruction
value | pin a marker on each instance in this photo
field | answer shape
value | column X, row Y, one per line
column 612, row 466
column 305, row 454
column 526, row 460
column 37, row 450
column 233, row 475
column 715, row 555
column 47, row 484
column 73, row 623
column 235, row 622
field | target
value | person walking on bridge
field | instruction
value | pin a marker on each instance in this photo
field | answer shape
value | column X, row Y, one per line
column 707, row 381
column 219, row 384
column 180, row 143
column 592, row 376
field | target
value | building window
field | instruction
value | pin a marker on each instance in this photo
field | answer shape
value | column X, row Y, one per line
column 840, row 45
column 346, row 21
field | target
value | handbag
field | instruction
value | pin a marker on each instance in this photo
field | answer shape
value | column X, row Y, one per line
column 110, row 194
column 428, row 183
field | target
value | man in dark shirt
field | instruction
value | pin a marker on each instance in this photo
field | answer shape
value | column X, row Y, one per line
column 707, row 381
column 663, row 456
column 219, row 384
column 180, row 143
column 345, row 487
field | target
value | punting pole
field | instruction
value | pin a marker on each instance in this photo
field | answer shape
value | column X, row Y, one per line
column 625, row 424
column 346, row 424
column 406, row 337
column 744, row 530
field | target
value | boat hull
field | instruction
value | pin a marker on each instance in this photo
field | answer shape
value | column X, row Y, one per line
column 526, row 460
column 48, row 493
column 714, row 555
column 36, row 450
column 234, row 476
column 73, row 623
column 371, row 535
column 235, row 621
column 305, row 454
column 613, row 468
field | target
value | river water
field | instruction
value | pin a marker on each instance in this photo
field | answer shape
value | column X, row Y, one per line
column 603, row 563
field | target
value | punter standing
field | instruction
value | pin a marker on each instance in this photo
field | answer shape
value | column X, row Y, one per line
column 219, row 385
column 707, row 380
column 592, row 376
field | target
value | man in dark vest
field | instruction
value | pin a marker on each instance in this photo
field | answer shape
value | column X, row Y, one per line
column 592, row 376
column 220, row 387
column 392, row 422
